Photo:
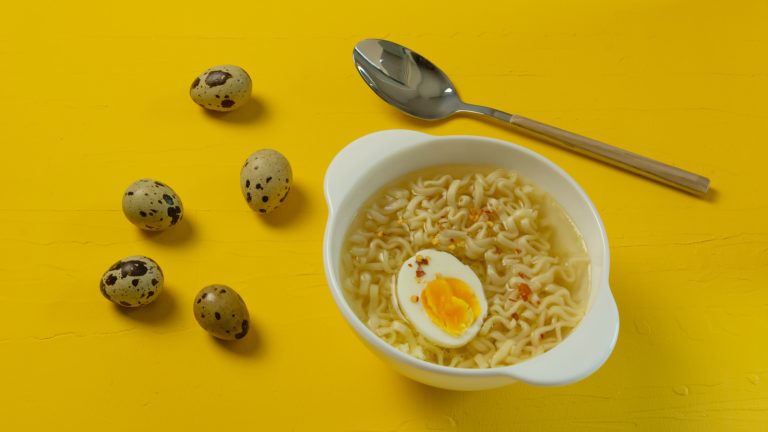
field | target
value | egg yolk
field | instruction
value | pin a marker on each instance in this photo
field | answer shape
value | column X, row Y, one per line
column 450, row 304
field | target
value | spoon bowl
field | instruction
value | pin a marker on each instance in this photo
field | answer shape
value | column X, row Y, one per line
column 417, row 87
column 406, row 80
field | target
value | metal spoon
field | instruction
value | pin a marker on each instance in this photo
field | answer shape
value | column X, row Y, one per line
column 415, row 86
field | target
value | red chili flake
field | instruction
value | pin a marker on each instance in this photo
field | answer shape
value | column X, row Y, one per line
column 523, row 276
column 420, row 273
column 524, row 290
column 515, row 316
column 518, row 251
column 410, row 265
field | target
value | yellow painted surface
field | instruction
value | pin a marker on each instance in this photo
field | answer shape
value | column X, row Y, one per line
column 94, row 96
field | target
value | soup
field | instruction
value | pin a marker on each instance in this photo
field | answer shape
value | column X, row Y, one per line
column 530, row 263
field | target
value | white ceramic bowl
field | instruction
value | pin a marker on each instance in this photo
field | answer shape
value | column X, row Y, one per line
column 369, row 163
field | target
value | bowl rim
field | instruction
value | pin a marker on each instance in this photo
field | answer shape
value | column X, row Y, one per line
column 379, row 344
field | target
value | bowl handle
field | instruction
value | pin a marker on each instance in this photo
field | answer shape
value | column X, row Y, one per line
column 581, row 353
column 352, row 162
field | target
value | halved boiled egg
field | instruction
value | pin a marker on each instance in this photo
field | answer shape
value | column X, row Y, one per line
column 441, row 297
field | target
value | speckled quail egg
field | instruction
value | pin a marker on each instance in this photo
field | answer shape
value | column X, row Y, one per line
column 221, row 312
column 133, row 281
column 221, row 88
column 151, row 205
column 265, row 180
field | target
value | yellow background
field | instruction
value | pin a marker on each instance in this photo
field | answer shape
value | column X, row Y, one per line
column 93, row 97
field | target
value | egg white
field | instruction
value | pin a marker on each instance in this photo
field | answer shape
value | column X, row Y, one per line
column 410, row 284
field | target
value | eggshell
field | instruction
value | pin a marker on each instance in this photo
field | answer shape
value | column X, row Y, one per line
column 152, row 205
column 221, row 88
column 221, row 312
column 133, row 281
column 265, row 180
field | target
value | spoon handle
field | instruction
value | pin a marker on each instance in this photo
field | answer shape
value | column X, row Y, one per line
column 673, row 176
